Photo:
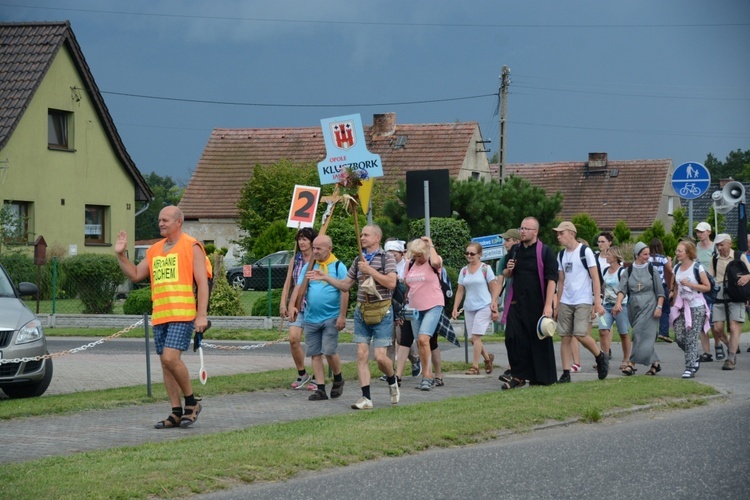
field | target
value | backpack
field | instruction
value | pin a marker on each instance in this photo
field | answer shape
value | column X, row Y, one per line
column 734, row 270
column 586, row 267
column 484, row 271
column 710, row 295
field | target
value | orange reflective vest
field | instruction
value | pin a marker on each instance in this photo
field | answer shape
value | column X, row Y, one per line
column 172, row 280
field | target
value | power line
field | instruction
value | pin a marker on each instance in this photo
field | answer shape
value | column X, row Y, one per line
column 597, row 92
column 279, row 105
column 389, row 23
column 649, row 132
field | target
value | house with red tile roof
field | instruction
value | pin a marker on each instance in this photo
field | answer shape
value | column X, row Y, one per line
column 64, row 171
column 210, row 199
column 636, row 191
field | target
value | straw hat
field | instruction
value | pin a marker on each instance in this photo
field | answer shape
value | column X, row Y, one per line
column 545, row 327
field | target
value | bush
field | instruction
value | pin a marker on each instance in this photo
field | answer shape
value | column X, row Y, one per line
column 138, row 302
column 20, row 266
column 224, row 300
column 95, row 279
column 449, row 235
column 260, row 306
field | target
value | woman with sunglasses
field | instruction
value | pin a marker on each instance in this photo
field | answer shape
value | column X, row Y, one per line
column 477, row 282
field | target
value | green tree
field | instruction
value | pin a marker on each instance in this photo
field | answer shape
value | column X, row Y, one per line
column 449, row 235
column 717, row 221
column 266, row 196
column 277, row 236
column 680, row 223
column 586, row 228
column 736, row 165
column 166, row 192
column 622, row 232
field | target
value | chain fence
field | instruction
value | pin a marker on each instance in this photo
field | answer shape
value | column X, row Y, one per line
column 125, row 330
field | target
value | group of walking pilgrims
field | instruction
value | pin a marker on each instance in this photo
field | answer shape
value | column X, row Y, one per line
column 533, row 291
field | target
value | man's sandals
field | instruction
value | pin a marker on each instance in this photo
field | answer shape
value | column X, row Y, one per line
column 190, row 415
column 514, row 382
column 169, row 422
column 628, row 369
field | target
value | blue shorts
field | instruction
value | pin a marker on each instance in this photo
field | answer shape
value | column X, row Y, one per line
column 606, row 321
column 427, row 322
column 321, row 338
column 300, row 321
column 175, row 335
column 380, row 335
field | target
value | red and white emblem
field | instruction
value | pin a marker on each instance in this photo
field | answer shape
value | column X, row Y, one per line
column 343, row 134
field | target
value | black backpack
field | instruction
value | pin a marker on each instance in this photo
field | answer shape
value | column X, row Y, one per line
column 710, row 295
column 650, row 272
column 734, row 270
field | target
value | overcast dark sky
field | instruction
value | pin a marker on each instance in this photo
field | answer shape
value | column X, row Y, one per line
column 636, row 79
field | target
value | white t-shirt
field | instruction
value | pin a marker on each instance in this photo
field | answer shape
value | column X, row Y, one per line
column 691, row 296
column 477, row 294
column 578, row 288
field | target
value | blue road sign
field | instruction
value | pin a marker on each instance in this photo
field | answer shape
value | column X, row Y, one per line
column 690, row 180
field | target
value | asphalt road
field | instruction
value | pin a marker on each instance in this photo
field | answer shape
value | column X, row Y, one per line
column 700, row 453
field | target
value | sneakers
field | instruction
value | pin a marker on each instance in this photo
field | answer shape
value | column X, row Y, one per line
column 564, row 378
column 719, row 350
column 301, row 381
column 706, row 358
column 602, row 366
column 575, row 368
column 416, row 369
column 319, row 395
column 362, row 404
column 337, row 389
column 426, row 384
column 395, row 394
column 728, row 365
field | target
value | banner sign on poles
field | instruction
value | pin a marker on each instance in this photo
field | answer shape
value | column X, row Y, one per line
column 346, row 148
column 304, row 206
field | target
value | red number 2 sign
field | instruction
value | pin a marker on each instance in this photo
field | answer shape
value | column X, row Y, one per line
column 304, row 206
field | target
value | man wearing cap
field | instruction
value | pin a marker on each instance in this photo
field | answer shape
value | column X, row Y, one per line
column 705, row 249
column 532, row 266
column 578, row 298
column 723, row 307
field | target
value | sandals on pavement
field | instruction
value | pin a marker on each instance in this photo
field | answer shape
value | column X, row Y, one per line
column 472, row 371
column 514, row 383
column 191, row 415
column 438, row 382
column 653, row 370
column 169, row 422
column 505, row 377
column 488, row 363
column 628, row 370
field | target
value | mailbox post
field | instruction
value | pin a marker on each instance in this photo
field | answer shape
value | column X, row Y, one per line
column 40, row 258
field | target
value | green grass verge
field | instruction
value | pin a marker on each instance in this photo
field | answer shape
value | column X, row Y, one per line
column 280, row 451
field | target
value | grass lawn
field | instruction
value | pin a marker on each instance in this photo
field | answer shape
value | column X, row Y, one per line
column 280, row 451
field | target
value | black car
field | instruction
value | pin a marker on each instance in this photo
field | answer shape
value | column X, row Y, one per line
column 279, row 263
column 21, row 339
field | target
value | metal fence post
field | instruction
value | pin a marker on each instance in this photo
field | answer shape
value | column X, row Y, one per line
column 54, row 284
column 148, row 355
column 270, row 291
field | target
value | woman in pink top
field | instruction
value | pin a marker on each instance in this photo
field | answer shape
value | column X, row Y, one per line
column 424, row 295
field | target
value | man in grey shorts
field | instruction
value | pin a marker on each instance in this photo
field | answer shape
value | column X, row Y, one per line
column 325, row 315
column 717, row 268
column 579, row 295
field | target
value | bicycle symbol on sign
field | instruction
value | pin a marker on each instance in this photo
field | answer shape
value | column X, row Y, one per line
column 690, row 188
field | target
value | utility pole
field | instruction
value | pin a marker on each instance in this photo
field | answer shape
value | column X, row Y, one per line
column 504, row 83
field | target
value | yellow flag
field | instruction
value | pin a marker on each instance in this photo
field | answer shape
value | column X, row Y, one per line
column 364, row 192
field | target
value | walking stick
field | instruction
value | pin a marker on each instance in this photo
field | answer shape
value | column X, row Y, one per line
column 287, row 281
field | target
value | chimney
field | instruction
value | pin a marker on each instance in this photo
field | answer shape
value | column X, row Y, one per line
column 597, row 161
column 383, row 125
